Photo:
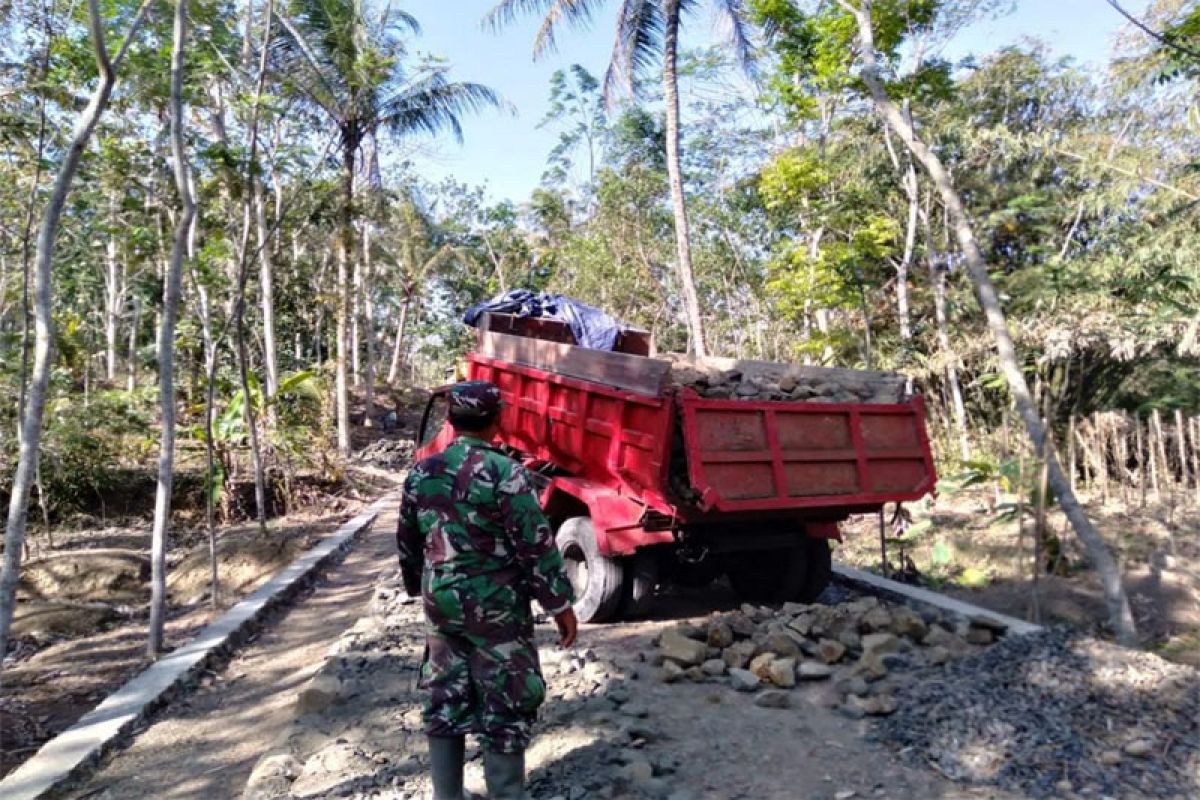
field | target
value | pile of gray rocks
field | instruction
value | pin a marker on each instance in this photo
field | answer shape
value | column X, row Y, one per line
column 387, row 453
column 856, row 650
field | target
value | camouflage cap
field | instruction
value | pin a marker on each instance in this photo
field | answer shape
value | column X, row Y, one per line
column 474, row 400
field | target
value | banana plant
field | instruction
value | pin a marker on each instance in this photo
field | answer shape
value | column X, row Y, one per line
column 230, row 432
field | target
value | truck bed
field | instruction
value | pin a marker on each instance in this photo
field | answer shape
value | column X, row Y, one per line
column 615, row 427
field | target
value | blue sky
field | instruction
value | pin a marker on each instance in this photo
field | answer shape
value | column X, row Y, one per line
column 508, row 153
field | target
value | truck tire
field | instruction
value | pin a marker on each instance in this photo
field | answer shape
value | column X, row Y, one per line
column 768, row 576
column 819, row 572
column 799, row 574
column 641, row 584
column 597, row 580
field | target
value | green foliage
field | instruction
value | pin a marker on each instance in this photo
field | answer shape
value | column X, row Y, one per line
column 84, row 445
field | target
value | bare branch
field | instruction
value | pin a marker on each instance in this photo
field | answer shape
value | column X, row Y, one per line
column 1162, row 39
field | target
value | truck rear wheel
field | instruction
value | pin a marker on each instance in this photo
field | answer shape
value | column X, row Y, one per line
column 798, row 573
column 597, row 580
column 768, row 576
column 819, row 572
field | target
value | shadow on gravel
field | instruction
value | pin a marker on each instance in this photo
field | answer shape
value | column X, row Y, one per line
column 1056, row 713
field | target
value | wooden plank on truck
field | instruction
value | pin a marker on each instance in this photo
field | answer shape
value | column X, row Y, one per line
column 620, row 370
column 634, row 341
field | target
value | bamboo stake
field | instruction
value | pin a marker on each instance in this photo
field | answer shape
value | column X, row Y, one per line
column 1141, row 457
column 1072, row 457
column 1039, row 537
column 1160, row 453
column 1101, row 456
column 1151, row 458
column 1194, row 424
column 1091, row 472
column 1181, row 448
column 883, row 562
column 1122, row 444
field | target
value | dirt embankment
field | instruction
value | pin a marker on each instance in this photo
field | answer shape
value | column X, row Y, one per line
column 80, row 626
column 975, row 551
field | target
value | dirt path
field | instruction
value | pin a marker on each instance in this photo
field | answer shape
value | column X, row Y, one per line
column 203, row 747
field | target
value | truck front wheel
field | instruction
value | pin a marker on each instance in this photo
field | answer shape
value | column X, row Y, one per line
column 597, row 580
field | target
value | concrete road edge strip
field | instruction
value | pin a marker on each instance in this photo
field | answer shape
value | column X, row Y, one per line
column 878, row 585
column 65, row 756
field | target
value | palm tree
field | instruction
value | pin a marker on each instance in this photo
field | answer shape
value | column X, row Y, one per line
column 346, row 60
column 417, row 249
column 647, row 30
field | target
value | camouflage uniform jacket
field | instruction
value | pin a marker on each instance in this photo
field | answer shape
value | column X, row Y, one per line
column 470, row 517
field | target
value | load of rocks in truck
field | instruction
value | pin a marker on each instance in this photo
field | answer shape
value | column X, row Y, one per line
column 737, row 379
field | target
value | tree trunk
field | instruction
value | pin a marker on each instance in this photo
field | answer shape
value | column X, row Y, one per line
column 210, row 461
column 1194, row 446
column 356, row 327
column 683, row 246
column 937, row 278
column 909, row 182
column 910, row 238
column 1120, row 615
column 345, row 246
column 35, row 404
column 166, row 340
column 368, row 324
column 267, row 281
column 397, row 349
column 1181, row 449
column 243, row 276
column 114, row 296
column 131, row 357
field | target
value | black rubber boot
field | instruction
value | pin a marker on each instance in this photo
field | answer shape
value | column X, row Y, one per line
column 504, row 774
column 446, row 766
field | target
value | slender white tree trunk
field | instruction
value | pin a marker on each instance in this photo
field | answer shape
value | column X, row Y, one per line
column 345, row 246
column 166, row 338
column 683, row 245
column 210, row 456
column 243, row 276
column 937, row 278
column 910, row 240
column 267, row 286
column 398, row 347
column 356, row 327
column 368, row 327
column 135, row 323
column 35, row 405
column 1119, row 613
column 114, row 297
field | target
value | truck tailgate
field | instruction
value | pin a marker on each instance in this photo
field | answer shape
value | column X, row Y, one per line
column 756, row 456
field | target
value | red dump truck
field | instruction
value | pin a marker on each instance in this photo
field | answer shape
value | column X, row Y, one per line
column 649, row 482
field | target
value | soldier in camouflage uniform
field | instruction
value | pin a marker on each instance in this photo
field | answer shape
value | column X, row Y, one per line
column 473, row 541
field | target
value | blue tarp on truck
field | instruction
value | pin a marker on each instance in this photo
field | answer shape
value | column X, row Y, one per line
column 591, row 326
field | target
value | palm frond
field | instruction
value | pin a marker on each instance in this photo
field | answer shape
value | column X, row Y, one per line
column 576, row 13
column 733, row 13
column 303, row 67
column 395, row 19
column 433, row 104
column 637, row 47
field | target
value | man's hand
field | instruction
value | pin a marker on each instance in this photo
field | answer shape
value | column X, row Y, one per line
column 568, row 627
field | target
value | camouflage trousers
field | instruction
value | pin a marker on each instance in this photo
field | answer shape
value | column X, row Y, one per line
column 489, row 688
